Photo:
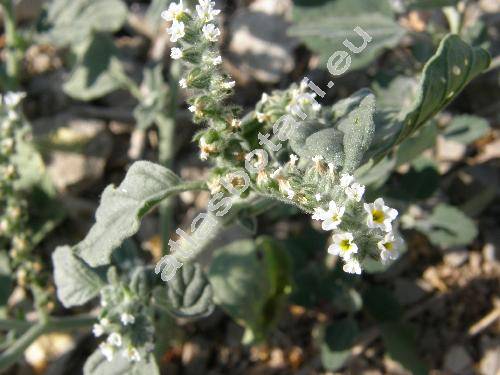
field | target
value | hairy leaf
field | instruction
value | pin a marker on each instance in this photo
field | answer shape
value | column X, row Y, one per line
column 98, row 365
column 75, row 281
column 466, row 129
column 188, row 294
column 358, row 128
column 324, row 28
column 121, row 209
column 250, row 281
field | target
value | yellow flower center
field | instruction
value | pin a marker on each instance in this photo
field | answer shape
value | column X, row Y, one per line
column 335, row 217
column 345, row 245
column 378, row 216
column 389, row 246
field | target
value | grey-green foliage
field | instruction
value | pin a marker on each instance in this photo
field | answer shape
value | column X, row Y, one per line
column 427, row 4
column 97, row 70
column 121, row 209
column 466, row 129
column 73, row 22
column 324, row 28
column 336, row 342
column 188, row 294
column 98, row 365
column 447, row 226
column 454, row 64
column 75, row 281
column 251, row 280
column 5, row 281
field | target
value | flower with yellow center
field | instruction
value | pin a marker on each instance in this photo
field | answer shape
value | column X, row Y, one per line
column 380, row 215
column 174, row 12
column 343, row 245
column 352, row 266
column 331, row 218
column 388, row 247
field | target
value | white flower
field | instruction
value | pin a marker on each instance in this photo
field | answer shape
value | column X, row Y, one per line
column 331, row 168
column 176, row 31
column 206, row 11
column 217, row 60
column 352, row 266
column 127, row 319
column 192, row 108
column 283, row 183
column 211, row 32
column 261, row 117
column 115, row 339
column 104, row 322
column 206, row 149
column 355, row 192
column 229, row 85
column 183, row 84
column 345, row 180
column 176, row 53
column 107, row 351
column 174, row 12
column 12, row 99
column 317, row 197
column 98, row 330
column 132, row 354
column 380, row 215
column 264, row 98
column 331, row 218
column 343, row 245
column 293, row 160
column 388, row 247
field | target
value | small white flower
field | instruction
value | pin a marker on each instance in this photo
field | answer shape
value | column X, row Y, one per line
column 132, row 354
column 293, row 160
column 211, row 32
column 380, row 215
column 107, row 351
column 264, row 98
column 12, row 99
column 217, row 60
column 318, row 197
column 332, row 217
column 206, row 11
column 176, row 31
column 283, row 183
column 115, row 339
column 176, row 53
column 343, row 245
column 355, row 192
column 174, row 12
column 345, row 180
column 261, row 117
column 183, row 84
column 352, row 266
column 127, row 319
column 98, row 330
column 192, row 108
column 388, row 247
column 104, row 322
column 229, row 85
column 206, row 149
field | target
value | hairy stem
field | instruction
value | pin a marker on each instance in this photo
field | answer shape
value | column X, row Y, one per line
column 13, row 56
column 16, row 350
column 166, row 133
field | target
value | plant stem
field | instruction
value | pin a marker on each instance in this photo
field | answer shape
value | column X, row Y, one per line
column 454, row 19
column 16, row 350
column 13, row 56
column 166, row 134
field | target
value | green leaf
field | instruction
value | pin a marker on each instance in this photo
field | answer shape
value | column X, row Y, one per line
column 338, row 339
column 98, row 365
column 324, row 28
column 75, row 281
column 97, row 70
column 358, row 128
column 188, row 294
column 5, row 282
column 122, row 208
column 382, row 304
column 427, row 4
column 399, row 341
column 466, row 129
column 74, row 21
column 448, row 227
column 453, row 66
column 413, row 147
column 250, row 281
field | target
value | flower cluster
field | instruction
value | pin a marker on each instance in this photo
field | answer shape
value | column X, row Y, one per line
column 196, row 35
column 127, row 322
column 14, row 233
